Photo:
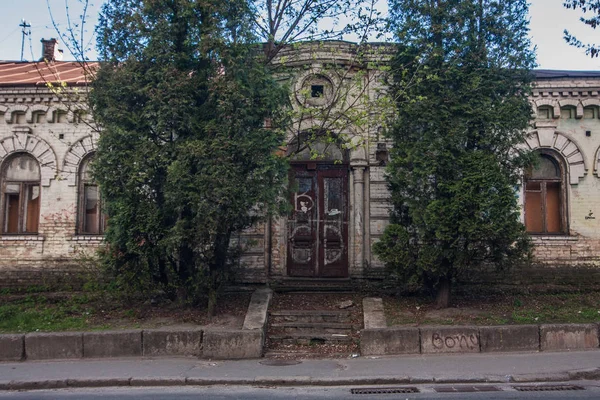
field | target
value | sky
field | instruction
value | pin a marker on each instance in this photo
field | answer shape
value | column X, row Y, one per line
column 548, row 19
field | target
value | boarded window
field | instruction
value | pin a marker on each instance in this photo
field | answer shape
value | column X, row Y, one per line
column 92, row 220
column 590, row 112
column 544, row 197
column 545, row 112
column 567, row 113
column 21, row 195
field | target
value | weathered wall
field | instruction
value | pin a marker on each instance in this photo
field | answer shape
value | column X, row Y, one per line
column 34, row 121
column 567, row 122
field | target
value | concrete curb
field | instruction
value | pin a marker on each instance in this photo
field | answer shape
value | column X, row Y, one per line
column 591, row 374
column 248, row 342
column 479, row 339
column 244, row 343
column 379, row 340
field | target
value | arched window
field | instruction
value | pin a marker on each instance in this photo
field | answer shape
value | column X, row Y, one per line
column 545, row 112
column 316, row 146
column 91, row 218
column 20, row 194
column 545, row 196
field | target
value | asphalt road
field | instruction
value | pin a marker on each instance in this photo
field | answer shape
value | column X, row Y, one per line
column 591, row 391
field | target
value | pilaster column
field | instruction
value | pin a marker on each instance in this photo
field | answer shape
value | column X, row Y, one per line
column 358, row 206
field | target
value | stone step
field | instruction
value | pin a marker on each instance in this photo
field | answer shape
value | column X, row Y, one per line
column 309, row 316
column 312, row 353
column 313, row 285
column 310, row 338
column 314, row 327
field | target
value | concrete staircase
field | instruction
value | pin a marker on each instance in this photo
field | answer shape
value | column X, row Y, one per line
column 314, row 285
column 311, row 333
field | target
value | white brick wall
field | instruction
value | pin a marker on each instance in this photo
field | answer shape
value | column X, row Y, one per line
column 57, row 238
column 59, row 244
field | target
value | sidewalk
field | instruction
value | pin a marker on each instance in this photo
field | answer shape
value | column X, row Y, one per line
column 465, row 368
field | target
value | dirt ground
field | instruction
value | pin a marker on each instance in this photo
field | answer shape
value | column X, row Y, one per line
column 92, row 311
column 495, row 309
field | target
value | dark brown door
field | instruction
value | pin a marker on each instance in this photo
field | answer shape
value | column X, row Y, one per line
column 318, row 222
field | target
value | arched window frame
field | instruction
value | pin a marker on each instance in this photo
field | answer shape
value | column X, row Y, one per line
column 89, row 223
column 528, row 187
column 20, row 200
column 326, row 148
column 545, row 112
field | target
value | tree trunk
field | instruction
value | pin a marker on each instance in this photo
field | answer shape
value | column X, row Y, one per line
column 212, row 303
column 442, row 299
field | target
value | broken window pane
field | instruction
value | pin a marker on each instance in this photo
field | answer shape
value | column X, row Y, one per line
column 547, row 168
column 91, row 222
column 31, row 209
column 333, row 196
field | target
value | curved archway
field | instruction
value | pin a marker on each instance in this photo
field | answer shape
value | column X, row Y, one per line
column 33, row 109
column 8, row 115
column 573, row 103
column 77, row 152
column 564, row 146
column 37, row 147
column 548, row 102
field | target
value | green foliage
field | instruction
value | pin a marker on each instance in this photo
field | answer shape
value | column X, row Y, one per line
column 591, row 18
column 183, row 158
column 461, row 79
column 353, row 99
column 33, row 314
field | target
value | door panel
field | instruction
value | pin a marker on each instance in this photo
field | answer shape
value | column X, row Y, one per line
column 318, row 225
column 302, row 224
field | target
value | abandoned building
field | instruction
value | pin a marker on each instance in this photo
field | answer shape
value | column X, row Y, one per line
column 51, row 210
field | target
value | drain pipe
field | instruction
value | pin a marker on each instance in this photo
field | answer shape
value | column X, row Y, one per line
column 269, row 245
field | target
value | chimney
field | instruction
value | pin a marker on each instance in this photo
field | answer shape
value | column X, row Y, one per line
column 50, row 51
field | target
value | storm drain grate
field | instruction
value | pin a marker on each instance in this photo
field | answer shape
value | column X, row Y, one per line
column 274, row 362
column 547, row 388
column 388, row 390
column 466, row 389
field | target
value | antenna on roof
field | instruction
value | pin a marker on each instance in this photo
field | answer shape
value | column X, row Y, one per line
column 24, row 24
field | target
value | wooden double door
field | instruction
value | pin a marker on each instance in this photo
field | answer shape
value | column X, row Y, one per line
column 318, row 223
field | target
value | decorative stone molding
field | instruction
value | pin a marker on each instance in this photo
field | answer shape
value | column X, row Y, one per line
column 21, row 142
column 597, row 163
column 590, row 102
column 359, row 157
column 548, row 102
column 52, row 114
column 319, row 76
column 76, row 153
column 21, row 129
column 35, row 108
column 564, row 90
column 8, row 115
column 566, row 147
column 573, row 103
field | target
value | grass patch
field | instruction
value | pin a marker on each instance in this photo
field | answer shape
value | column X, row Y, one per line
column 92, row 311
column 37, row 315
column 496, row 309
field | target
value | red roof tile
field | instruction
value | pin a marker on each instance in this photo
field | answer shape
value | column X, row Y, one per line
column 39, row 73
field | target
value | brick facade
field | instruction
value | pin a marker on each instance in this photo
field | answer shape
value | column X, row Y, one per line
column 36, row 121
